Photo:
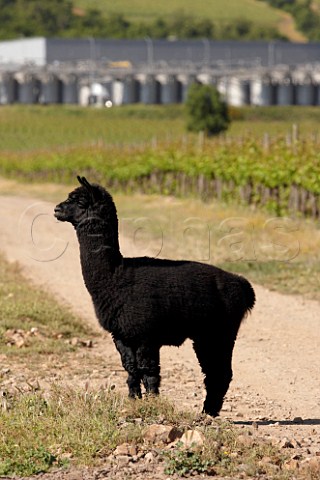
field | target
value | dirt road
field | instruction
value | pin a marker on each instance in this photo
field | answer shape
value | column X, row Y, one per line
column 276, row 360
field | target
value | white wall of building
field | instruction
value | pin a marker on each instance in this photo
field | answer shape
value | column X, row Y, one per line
column 24, row 51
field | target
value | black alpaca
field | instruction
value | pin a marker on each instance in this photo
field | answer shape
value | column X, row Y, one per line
column 147, row 302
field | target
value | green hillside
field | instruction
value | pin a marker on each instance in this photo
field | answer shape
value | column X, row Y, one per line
column 224, row 10
column 295, row 20
column 258, row 12
column 213, row 19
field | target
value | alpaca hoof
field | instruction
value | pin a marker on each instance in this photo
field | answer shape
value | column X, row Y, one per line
column 151, row 384
column 152, row 394
column 135, row 394
column 212, row 413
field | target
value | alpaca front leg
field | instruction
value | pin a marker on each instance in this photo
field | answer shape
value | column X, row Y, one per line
column 148, row 361
column 129, row 363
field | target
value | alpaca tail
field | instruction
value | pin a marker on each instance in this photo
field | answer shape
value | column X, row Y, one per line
column 238, row 298
column 249, row 295
column 243, row 307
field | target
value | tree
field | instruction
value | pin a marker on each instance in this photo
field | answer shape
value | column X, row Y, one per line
column 27, row 18
column 206, row 110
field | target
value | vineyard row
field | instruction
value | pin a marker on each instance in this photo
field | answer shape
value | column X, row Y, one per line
column 283, row 179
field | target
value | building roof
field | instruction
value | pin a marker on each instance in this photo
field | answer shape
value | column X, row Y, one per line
column 41, row 51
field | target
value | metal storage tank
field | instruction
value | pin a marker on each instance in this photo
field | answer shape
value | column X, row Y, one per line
column 84, row 95
column 51, row 89
column 304, row 88
column 284, row 88
column 8, row 88
column 29, row 87
column 223, row 87
column 149, row 89
column 168, row 89
column 70, row 89
column 117, row 95
column 261, row 90
column 131, row 90
column 184, row 83
column 239, row 92
column 235, row 90
column 205, row 78
column 316, row 82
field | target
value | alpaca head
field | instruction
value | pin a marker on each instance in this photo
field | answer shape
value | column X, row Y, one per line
column 87, row 202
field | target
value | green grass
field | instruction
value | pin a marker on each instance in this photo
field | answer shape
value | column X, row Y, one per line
column 32, row 324
column 275, row 120
column 68, row 427
column 34, row 127
column 216, row 10
column 299, row 277
column 37, row 432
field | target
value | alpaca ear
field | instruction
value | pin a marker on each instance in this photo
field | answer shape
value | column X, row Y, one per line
column 84, row 182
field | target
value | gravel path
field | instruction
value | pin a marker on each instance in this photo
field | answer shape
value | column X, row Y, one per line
column 276, row 360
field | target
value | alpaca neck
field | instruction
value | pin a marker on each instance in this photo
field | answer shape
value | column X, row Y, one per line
column 99, row 253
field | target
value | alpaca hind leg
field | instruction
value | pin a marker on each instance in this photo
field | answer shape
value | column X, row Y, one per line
column 148, row 360
column 128, row 359
column 215, row 361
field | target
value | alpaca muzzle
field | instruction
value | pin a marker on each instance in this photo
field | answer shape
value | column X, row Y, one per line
column 59, row 214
